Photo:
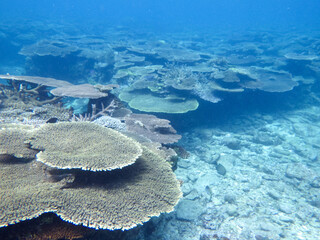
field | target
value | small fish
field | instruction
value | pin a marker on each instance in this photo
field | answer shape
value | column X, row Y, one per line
column 221, row 169
column 52, row 120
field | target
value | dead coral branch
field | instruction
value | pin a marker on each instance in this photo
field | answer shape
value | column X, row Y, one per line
column 87, row 117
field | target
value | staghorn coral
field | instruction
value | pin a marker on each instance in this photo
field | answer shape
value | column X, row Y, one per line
column 104, row 111
column 26, row 99
column 21, row 103
column 23, row 95
column 84, row 145
column 20, row 94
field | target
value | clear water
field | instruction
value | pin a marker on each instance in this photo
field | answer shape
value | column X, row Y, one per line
column 168, row 15
column 267, row 142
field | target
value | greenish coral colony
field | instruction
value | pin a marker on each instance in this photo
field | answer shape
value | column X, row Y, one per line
column 152, row 103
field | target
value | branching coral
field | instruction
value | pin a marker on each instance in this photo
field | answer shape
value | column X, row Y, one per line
column 18, row 93
column 89, row 117
column 181, row 77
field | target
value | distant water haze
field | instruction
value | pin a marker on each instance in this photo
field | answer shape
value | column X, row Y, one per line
column 170, row 15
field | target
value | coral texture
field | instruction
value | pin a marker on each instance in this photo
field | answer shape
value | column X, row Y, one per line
column 120, row 199
column 12, row 141
column 84, row 145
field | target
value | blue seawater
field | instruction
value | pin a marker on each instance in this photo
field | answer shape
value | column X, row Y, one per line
column 229, row 15
column 253, row 170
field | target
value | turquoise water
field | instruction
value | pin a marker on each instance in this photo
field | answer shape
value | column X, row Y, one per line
column 170, row 15
column 239, row 80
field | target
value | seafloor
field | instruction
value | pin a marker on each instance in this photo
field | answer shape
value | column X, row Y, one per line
column 253, row 169
column 268, row 189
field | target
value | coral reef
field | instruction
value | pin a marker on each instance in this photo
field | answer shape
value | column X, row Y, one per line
column 96, row 148
column 47, row 226
column 42, row 81
column 13, row 139
column 73, row 59
column 118, row 199
column 27, row 98
column 199, row 67
column 265, row 79
column 151, row 127
column 82, row 91
column 19, row 95
column 104, row 111
column 148, row 102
